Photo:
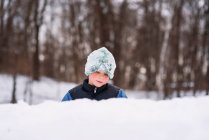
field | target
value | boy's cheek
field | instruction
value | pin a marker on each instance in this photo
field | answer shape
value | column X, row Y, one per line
column 106, row 80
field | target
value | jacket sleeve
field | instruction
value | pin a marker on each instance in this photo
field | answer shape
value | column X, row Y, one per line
column 67, row 97
column 121, row 94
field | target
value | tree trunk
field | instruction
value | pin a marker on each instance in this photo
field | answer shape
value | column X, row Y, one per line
column 14, row 100
column 38, row 20
column 36, row 64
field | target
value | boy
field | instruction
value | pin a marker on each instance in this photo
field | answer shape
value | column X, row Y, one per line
column 99, row 68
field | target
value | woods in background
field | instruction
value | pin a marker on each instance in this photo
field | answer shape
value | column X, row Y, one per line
column 158, row 44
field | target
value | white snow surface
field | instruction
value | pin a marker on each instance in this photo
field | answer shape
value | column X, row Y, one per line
column 114, row 119
column 134, row 118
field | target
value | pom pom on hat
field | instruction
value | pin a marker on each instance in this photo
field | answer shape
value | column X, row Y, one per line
column 100, row 60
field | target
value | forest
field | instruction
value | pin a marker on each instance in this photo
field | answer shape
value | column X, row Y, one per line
column 158, row 45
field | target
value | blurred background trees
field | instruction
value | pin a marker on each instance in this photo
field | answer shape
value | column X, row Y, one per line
column 158, row 44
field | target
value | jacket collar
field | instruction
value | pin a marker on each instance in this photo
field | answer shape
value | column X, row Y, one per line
column 90, row 88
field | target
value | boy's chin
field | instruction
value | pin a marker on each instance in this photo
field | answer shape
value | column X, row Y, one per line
column 98, row 85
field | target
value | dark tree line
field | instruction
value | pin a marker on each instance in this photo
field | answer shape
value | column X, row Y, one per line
column 158, row 44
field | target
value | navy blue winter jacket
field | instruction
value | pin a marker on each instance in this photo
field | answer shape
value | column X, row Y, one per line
column 88, row 91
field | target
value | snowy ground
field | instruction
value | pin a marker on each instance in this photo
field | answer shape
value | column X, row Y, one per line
column 46, row 89
column 115, row 119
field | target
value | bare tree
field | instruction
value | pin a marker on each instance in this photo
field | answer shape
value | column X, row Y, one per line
column 205, row 43
column 14, row 100
column 174, row 66
column 38, row 21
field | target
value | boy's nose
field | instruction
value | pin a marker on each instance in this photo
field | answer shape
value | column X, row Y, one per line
column 101, row 76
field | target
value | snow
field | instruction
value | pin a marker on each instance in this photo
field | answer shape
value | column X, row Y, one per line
column 177, row 119
column 133, row 118
column 46, row 88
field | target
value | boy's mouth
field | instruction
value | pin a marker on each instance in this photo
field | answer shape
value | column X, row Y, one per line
column 99, row 82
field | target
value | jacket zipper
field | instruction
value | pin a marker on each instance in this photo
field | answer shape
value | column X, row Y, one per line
column 95, row 90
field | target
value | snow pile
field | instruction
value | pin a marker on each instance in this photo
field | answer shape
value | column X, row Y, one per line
column 114, row 119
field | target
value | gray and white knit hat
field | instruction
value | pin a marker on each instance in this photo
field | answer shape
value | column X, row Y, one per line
column 100, row 60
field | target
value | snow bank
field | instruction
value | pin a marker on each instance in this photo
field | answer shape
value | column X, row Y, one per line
column 115, row 119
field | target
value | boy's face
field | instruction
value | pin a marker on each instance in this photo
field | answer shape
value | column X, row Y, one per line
column 98, row 78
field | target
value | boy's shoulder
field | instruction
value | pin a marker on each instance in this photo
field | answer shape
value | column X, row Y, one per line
column 75, row 88
column 113, row 87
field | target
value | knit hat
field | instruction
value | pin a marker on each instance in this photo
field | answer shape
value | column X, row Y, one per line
column 100, row 60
